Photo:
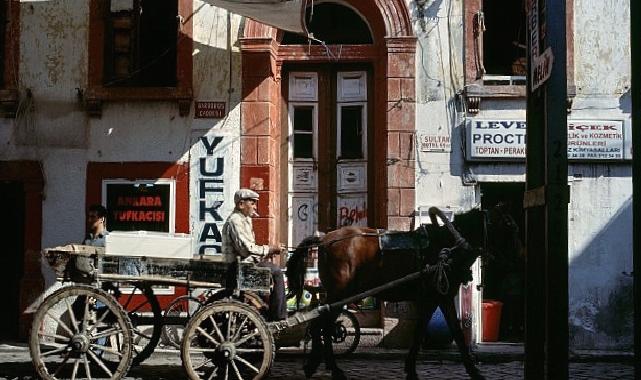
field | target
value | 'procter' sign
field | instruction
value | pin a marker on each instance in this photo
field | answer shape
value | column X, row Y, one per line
column 505, row 140
column 487, row 139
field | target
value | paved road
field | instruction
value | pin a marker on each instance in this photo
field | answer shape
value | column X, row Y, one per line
column 17, row 365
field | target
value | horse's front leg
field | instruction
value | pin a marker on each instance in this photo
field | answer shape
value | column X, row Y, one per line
column 329, row 331
column 449, row 311
column 314, row 358
column 425, row 309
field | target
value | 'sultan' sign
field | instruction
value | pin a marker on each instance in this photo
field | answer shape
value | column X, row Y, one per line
column 209, row 110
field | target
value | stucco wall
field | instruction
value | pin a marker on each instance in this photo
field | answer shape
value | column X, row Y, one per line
column 54, row 128
column 600, row 210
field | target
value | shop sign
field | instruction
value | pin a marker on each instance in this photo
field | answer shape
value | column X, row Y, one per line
column 210, row 194
column 595, row 140
column 435, row 143
column 489, row 139
column 214, row 160
column 209, row 110
column 138, row 206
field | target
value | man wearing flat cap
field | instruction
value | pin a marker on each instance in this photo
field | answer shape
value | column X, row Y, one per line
column 239, row 240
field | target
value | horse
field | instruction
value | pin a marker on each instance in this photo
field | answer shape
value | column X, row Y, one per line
column 351, row 262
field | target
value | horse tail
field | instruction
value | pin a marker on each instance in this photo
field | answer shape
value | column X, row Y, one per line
column 297, row 267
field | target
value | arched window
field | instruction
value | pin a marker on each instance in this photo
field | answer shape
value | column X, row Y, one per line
column 333, row 24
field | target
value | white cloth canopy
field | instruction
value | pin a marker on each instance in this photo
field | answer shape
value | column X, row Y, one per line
column 282, row 14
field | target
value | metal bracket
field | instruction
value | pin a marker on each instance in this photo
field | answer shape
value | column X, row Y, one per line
column 542, row 195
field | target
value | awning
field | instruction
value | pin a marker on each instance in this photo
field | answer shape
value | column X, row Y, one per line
column 282, row 14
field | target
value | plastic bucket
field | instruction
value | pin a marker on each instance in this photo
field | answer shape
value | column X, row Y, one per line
column 491, row 315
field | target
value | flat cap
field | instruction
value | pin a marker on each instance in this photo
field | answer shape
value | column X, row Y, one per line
column 245, row 194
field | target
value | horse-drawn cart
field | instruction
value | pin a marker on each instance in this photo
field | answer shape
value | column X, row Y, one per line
column 109, row 318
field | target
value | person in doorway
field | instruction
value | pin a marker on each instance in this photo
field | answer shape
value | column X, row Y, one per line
column 239, row 241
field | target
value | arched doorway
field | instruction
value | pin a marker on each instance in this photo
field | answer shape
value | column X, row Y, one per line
column 367, row 83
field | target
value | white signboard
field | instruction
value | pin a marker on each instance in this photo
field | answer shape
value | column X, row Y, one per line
column 489, row 139
column 595, row 140
column 435, row 143
column 215, row 162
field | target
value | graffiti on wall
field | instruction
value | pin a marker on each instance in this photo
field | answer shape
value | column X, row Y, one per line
column 351, row 210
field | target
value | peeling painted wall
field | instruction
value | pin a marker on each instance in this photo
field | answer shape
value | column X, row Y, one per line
column 54, row 127
column 600, row 214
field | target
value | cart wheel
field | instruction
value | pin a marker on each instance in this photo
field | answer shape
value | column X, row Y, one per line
column 80, row 330
column 182, row 307
column 345, row 337
column 347, row 333
column 146, row 317
column 227, row 340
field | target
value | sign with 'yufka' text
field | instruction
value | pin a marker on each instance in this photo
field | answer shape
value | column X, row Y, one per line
column 215, row 158
column 495, row 139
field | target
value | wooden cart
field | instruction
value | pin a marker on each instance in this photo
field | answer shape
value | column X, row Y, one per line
column 83, row 331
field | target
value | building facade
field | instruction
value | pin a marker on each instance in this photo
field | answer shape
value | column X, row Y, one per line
column 160, row 111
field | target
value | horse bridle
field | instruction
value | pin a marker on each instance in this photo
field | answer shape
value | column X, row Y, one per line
column 459, row 240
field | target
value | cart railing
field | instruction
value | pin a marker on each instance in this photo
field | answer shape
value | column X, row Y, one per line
column 88, row 264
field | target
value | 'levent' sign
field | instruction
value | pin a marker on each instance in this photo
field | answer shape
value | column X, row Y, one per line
column 505, row 140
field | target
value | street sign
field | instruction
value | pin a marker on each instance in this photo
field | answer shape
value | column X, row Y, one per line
column 209, row 110
column 541, row 68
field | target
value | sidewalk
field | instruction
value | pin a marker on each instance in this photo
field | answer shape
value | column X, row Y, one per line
column 487, row 353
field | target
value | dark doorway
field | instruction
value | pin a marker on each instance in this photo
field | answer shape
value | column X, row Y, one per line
column 12, row 200
column 504, row 277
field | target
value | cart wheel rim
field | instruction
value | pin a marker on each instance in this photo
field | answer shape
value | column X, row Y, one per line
column 81, row 332
column 227, row 340
column 145, row 335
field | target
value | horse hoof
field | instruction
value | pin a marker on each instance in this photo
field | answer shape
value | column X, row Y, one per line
column 412, row 376
column 338, row 374
column 310, row 369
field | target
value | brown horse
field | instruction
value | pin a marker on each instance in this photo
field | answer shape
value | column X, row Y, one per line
column 350, row 262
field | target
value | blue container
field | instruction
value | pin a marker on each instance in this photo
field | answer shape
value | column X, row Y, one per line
column 438, row 333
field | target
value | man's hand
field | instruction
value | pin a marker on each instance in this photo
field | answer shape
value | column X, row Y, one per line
column 276, row 250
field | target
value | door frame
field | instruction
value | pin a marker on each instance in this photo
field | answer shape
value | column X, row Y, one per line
column 29, row 173
column 392, row 58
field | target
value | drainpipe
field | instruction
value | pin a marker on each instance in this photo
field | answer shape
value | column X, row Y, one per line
column 635, row 51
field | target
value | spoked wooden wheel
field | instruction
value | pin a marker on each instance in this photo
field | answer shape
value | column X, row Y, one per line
column 146, row 316
column 229, row 341
column 81, row 332
column 346, row 334
column 181, row 307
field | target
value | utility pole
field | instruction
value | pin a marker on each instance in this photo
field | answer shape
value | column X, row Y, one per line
column 547, row 195
column 635, row 51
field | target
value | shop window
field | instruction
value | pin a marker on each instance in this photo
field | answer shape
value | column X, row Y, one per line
column 140, row 43
column 139, row 205
column 140, row 50
column 332, row 24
